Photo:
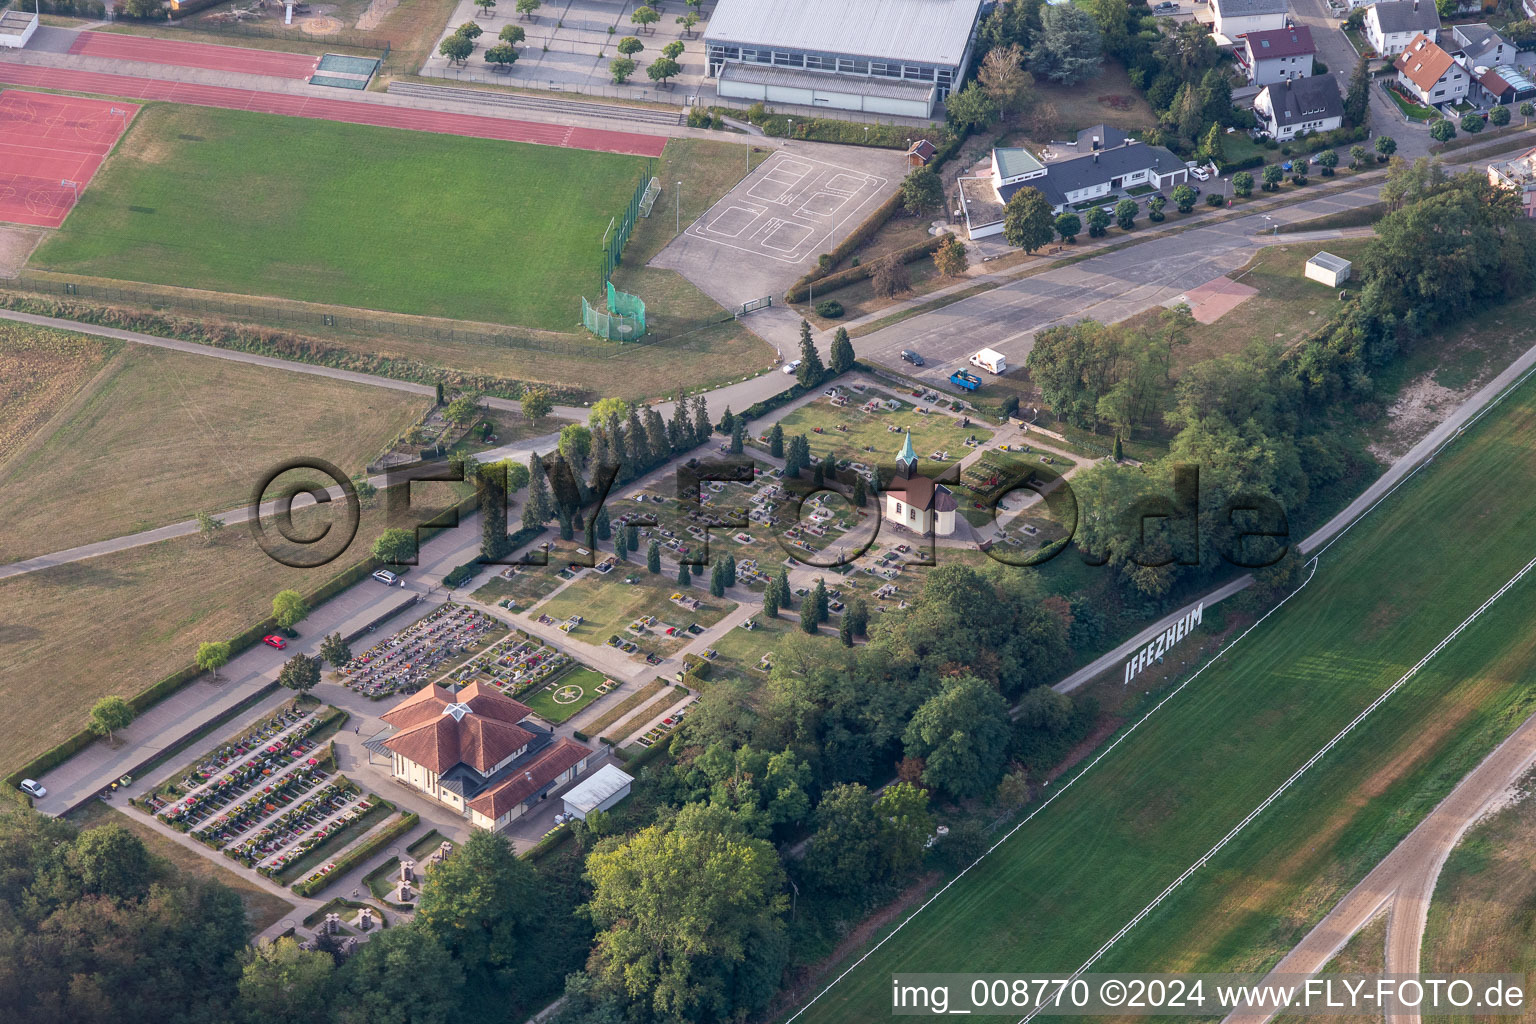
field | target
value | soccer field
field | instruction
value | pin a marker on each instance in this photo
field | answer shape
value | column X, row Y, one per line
column 1382, row 598
column 377, row 218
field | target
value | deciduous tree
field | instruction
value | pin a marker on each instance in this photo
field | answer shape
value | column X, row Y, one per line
column 108, row 715
column 1028, row 221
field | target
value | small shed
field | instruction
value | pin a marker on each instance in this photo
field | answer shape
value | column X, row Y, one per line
column 1326, row 268
column 920, row 153
column 601, row 790
column 16, row 28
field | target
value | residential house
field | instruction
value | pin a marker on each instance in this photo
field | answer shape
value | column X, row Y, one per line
column 1100, row 163
column 1392, row 25
column 476, row 751
column 1277, row 55
column 1237, row 18
column 1431, row 75
column 1300, row 106
column 1503, row 84
column 1518, row 175
column 1478, row 44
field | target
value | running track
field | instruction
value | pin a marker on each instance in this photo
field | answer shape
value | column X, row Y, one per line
column 195, row 55
column 348, row 111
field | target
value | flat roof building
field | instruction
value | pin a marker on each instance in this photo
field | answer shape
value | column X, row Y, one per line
column 602, row 789
column 1326, row 268
column 897, row 57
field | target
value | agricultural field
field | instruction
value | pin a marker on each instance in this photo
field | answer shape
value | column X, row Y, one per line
column 118, row 623
column 1380, row 600
column 166, row 434
column 258, row 204
column 41, row 372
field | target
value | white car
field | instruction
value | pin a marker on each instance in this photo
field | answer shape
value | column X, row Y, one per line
column 33, row 788
column 385, row 577
column 1201, row 173
column 790, row 368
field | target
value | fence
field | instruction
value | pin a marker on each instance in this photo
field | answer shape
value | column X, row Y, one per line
column 338, row 318
column 478, row 71
column 614, row 241
column 624, row 319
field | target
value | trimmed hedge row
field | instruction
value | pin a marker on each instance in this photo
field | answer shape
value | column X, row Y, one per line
column 851, row 275
column 358, row 854
column 842, row 250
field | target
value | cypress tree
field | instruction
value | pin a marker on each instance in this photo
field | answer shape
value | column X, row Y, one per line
column 536, row 511
column 604, row 527
column 493, row 514
column 727, row 422
column 845, row 632
column 653, row 557
column 684, row 575
column 620, row 549
column 776, row 441
column 1119, row 450
column 738, row 435
column 717, row 579
column 818, row 602
column 807, row 619
column 860, row 494
column 771, row 600
column 656, row 436
column 701, row 427
column 786, row 599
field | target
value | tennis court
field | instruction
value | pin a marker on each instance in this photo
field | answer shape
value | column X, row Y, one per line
column 50, row 146
column 340, row 71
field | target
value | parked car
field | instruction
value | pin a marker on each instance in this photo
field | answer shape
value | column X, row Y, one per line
column 790, row 368
column 1165, row 6
column 32, row 787
column 1200, row 173
column 273, row 640
column 908, row 356
column 385, row 577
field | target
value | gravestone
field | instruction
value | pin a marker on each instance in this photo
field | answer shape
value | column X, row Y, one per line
column 365, row 918
column 407, row 874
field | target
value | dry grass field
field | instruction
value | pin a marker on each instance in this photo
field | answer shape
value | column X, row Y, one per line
column 166, row 434
column 40, row 372
column 118, row 623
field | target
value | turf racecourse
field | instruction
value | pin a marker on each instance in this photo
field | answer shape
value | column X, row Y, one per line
column 357, row 215
column 1382, row 598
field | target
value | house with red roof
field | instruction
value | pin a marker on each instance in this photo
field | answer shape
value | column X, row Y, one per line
column 478, row 751
column 1431, row 74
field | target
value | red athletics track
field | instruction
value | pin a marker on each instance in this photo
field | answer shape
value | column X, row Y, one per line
column 195, row 55
column 349, row 111
column 46, row 140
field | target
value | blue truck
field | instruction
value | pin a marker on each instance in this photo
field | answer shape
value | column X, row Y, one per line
column 964, row 380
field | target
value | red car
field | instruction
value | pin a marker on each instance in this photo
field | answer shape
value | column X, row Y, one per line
column 274, row 641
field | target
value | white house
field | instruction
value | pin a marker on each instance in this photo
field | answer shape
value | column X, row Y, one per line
column 1430, row 74
column 1236, row 18
column 1390, row 26
column 1100, row 163
column 1479, row 44
column 1277, row 55
column 917, row 502
column 1300, row 106
column 476, row 751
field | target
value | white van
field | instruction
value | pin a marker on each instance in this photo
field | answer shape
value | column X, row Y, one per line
column 990, row 360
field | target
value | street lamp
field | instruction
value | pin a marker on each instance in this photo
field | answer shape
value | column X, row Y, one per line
column 677, row 208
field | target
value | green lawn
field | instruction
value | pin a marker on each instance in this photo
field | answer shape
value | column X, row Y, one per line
column 379, row 218
column 566, row 695
column 1383, row 596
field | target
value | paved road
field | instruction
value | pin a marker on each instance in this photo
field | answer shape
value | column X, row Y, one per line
column 1417, row 457
column 1404, row 882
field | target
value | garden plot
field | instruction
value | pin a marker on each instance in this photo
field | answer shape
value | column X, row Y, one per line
column 423, row 650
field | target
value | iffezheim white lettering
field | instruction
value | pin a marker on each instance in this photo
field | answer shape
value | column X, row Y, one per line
column 1170, row 636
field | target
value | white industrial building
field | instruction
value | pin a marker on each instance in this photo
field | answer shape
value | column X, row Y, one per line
column 1326, row 268
column 16, row 28
column 602, row 790
column 1233, row 19
column 891, row 57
